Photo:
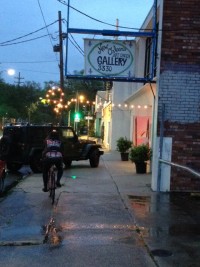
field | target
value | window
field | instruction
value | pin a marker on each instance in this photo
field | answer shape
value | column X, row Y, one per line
column 67, row 133
column 148, row 58
column 147, row 70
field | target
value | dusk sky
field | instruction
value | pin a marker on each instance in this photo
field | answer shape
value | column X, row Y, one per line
column 32, row 56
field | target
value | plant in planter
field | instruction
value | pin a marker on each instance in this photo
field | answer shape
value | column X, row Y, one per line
column 123, row 146
column 139, row 155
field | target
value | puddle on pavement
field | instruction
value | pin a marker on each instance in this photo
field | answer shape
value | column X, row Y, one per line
column 140, row 204
column 180, row 213
column 52, row 233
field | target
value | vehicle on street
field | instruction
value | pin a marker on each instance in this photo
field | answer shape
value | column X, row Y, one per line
column 23, row 145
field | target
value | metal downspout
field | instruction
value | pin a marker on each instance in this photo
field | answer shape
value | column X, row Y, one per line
column 154, row 38
column 161, row 146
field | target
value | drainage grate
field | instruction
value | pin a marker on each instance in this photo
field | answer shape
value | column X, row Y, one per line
column 161, row 253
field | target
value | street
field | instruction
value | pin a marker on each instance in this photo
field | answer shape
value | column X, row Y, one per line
column 105, row 216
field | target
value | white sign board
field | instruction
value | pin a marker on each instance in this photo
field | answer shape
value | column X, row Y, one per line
column 109, row 57
column 89, row 118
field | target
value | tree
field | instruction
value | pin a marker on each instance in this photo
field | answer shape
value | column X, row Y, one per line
column 18, row 101
column 88, row 88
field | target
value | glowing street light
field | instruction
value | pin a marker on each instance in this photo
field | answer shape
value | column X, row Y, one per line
column 11, row 72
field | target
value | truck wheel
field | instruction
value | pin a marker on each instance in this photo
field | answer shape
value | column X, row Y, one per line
column 94, row 158
column 13, row 167
column 36, row 163
column 67, row 163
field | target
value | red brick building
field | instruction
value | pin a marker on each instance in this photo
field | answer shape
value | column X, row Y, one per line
column 178, row 93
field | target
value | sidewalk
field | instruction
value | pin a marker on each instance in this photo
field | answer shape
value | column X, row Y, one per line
column 168, row 223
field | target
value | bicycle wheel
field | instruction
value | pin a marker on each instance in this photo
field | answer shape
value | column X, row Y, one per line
column 52, row 187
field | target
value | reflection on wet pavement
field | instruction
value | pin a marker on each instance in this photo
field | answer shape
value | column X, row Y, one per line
column 170, row 225
column 52, row 233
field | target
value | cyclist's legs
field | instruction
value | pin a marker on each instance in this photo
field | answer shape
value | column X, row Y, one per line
column 46, row 167
column 59, row 166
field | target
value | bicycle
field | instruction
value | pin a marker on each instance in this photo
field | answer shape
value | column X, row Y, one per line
column 52, row 183
column 2, row 174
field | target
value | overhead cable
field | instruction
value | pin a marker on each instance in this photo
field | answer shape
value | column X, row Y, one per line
column 22, row 62
column 15, row 39
column 25, row 41
column 46, row 27
column 100, row 21
column 122, row 27
column 45, row 22
column 77, row 45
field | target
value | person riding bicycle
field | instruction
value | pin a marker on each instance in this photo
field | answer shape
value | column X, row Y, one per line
column 52, row 154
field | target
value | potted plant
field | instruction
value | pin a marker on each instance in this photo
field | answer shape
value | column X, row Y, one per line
column 123, row 146
column 140, row 155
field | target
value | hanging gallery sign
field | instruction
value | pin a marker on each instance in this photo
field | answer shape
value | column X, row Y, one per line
column 109, row 57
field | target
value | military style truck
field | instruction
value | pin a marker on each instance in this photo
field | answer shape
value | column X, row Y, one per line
column 23, row 145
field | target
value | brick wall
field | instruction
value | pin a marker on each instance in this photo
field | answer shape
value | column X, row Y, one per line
column 186, row 143
column 180, row 36
column 179, row 88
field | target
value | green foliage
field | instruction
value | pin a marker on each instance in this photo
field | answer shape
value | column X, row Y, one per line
column 140, row 153
column 123, row 144
column 22, row 102
column 88, row 88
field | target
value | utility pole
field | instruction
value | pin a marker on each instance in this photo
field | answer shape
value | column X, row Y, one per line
column 117, row 27
column 61, row 51
column 19, row 78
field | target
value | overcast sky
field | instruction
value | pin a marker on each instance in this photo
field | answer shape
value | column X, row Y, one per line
column 35, row 59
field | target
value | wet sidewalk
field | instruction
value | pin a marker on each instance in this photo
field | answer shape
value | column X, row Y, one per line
column 169, row 223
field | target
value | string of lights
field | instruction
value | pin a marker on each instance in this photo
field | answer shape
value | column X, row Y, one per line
column 124, row 106
column 56, row 98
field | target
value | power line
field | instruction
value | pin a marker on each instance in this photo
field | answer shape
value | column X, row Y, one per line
column 122, row 27
column 31, row 62
column 15, row 39
column 39, row 71
column 90, row 17
column 76, row 45
column 45, row 22
column 46, row 27
column 25, row 41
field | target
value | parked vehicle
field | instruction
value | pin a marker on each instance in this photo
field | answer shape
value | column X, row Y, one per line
column 23, row 144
